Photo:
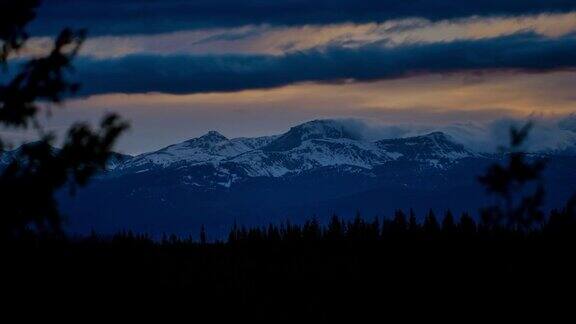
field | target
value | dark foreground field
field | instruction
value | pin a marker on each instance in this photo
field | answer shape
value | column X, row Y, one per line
column 353, row 271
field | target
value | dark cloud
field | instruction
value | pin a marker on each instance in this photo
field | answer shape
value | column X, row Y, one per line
column 154, row 16
column 193, row 74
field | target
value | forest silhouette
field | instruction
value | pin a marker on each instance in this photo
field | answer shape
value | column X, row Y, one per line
column 509, row 253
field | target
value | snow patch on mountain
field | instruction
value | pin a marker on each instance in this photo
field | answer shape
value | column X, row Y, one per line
column 434, row 147
column 255, row 142
column 310, row 154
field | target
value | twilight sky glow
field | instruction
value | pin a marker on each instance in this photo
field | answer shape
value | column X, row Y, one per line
column 177, row 69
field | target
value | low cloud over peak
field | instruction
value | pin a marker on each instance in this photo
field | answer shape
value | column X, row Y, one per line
column 548, row 134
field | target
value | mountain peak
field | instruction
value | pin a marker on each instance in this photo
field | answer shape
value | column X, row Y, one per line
column 315, row 129
column 214, row 136
column 438, row 136
column 209, row 147
column 327, row 128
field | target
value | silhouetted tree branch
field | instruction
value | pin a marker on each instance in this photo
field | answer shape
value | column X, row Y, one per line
column 14, row 17
column 28, row 183
column 508, row 183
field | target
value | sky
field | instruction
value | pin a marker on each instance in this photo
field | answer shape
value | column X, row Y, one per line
column 177, row 69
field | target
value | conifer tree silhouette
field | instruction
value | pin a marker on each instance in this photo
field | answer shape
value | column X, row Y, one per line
column 335, row 229
column 399, row 224
column 431, row 226
column 448, row 224
column 413, row 226
column 311, row 230
column 467, row 225
column 374, row 229
column 203, row 238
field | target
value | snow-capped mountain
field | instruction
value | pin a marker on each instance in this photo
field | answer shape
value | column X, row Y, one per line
column 309, row 146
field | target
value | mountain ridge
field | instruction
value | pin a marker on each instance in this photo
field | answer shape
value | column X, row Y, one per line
column 213, row 159
column 213, row 180
column 311, row 145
